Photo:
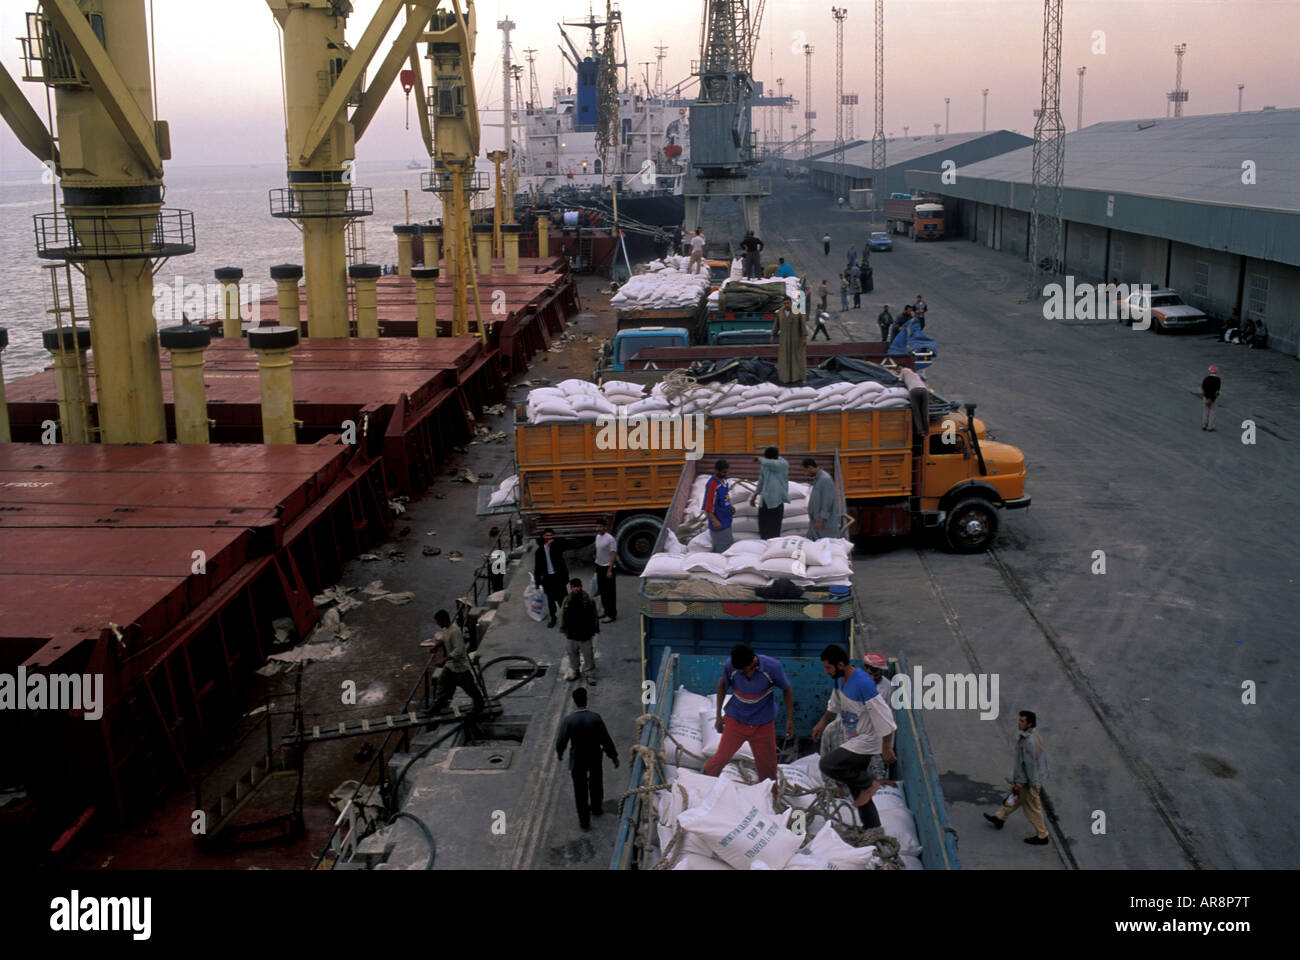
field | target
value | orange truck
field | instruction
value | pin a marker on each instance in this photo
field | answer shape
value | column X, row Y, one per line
column 901, row 470
column 918, row 216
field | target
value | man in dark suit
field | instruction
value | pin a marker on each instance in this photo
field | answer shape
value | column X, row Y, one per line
column 590, row 738
column 551, row 571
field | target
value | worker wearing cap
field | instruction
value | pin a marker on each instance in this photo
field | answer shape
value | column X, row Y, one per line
column 751, row 711
column 876, row 665
column 1210, row 394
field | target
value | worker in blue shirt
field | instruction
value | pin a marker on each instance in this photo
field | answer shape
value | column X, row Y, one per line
column 784, row 269
column 751, row 711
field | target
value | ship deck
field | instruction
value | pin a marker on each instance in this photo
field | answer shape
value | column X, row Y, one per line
column 160, row 569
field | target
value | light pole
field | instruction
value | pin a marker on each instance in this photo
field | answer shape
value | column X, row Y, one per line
column 936, row 128
column 946, row 102
column 1079, row 121
column 1240, row 87
column 984, row 124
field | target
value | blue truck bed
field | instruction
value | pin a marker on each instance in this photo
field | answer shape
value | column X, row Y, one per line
column 914, row 766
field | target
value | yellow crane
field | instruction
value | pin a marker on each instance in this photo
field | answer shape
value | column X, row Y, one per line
column 454, row 106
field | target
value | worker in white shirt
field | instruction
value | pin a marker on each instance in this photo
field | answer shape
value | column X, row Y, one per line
column 606, row 548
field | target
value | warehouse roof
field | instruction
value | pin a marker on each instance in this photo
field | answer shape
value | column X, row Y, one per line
column 905, row 151
column 1166, row 177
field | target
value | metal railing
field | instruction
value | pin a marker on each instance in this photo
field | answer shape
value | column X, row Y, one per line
column 46, row 58
column 442, row 181
column 321, row 201
column 79, row 237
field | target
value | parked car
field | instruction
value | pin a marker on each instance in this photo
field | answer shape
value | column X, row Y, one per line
column 880, row 241
column 1168, row 311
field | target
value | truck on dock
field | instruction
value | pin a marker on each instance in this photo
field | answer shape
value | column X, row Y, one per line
column 914, row 767
column 919, row 216
column 902, row 469
column 690, row 623
column 639, row 363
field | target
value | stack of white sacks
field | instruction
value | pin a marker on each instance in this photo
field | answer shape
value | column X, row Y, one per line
column 719, row 815
column 751, row 561
column 663, row 289
column 575, row 400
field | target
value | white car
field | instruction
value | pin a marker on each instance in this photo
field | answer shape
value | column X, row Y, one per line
column 1168, row 311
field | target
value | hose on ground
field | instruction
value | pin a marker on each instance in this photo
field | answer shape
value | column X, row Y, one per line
column 428, row 834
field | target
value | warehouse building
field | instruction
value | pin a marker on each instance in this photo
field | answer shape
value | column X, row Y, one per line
column 1208, row 205
column 903, row 154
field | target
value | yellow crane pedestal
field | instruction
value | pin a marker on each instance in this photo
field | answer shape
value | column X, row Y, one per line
column 286, row 277
column 68, row 347
column 483, row 247
column 5, row 436
column 189, row 397
column 228, row 303
column 364, row 284
column 274, row 349
column 543, row 233
column 426, row 301
column 404, row 233
column 510, row 240
column 431, row 236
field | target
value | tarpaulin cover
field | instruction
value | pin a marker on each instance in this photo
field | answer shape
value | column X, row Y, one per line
column 751, row 371
column 912, row 338
column 751, row 298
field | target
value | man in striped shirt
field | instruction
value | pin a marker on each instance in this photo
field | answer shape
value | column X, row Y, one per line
column 862, row 760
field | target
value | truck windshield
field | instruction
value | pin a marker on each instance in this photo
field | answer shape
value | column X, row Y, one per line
column 628, row 346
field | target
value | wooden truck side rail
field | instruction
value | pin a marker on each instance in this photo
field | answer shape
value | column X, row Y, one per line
column 563, row 467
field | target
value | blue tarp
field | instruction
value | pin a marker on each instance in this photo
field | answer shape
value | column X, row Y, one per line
column 912, row 338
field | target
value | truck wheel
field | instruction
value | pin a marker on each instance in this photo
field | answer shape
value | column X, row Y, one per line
column 636, row 536
column 972, row 526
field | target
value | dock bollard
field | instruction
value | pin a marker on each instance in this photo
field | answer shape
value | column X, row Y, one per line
column 510, row 241
column 72, row 377
column 228, row 305
column 286, row 277
column 483, row 247
column 189, row 397
column 426, row 301
column 364, row 277
column 274, row 349
column 5, row 436
column 404, row 232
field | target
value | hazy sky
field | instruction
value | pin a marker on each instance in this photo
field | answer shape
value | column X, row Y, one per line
column 218, row 66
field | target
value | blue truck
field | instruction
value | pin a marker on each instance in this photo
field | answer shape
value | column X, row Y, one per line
column 686, row 640
column 914, row 766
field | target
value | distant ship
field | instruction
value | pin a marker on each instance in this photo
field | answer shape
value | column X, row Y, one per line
column 418, row 165
column 559, row 163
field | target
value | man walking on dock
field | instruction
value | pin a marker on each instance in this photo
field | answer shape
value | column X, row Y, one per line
column 590, row 740
column 580, row 623
column 456, row 670
column 867, row 725
column 1027, row 778
column 751, row 711
column 1210, row 387
column 886, row 323
column 550, row 572
column 826, row 244
column 606, row 547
